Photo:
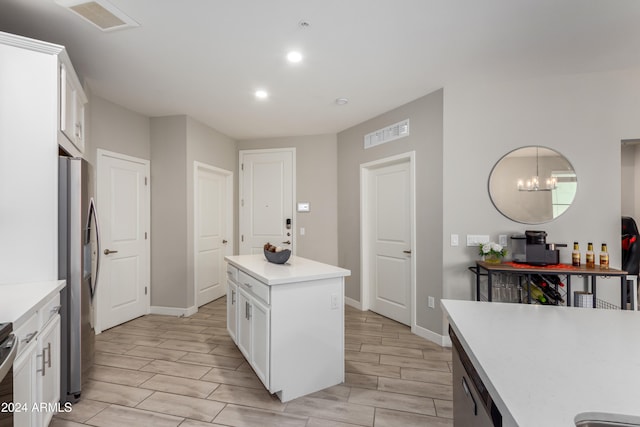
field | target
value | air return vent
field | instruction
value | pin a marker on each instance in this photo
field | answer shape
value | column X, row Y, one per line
column 390, row 133
column 100, row 13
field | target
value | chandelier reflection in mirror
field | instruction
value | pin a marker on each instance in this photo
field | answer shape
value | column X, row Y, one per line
column 536, row 201
column 533, row 183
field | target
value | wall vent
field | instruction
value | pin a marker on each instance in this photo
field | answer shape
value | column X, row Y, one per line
column 388, row 134
column 100, row 13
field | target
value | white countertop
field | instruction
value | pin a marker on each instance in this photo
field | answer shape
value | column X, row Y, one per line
column 18, row 300
column 296, row 269
column 544, row 365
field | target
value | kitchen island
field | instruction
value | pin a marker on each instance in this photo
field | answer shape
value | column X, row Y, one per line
column 288, row 321
column 552, row 366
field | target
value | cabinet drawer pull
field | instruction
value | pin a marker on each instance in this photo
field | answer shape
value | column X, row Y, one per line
column 29, row 337
column 233, row 297
column 46, row 361
column 248, row 285
column 49, row 353
column 56, row 309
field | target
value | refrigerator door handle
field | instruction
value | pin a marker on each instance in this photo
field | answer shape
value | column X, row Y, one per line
column 93, row 214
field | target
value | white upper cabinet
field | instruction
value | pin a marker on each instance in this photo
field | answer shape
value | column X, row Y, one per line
column 30, row 137
column 72, row 101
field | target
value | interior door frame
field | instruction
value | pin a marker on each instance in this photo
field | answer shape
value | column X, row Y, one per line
column 100, row 156
column 294, row 197
column 366, row 246
column 228, row 250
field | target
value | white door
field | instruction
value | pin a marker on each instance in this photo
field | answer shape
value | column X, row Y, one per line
column 267, row 180
column 123, row 206
column 389, row 222
column 213, row 211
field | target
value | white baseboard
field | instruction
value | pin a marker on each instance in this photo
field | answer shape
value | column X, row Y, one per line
column 441, row 340
column 353, row 303
column 174, row 311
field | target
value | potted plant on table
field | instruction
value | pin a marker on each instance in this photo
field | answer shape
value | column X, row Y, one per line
column 492, row 252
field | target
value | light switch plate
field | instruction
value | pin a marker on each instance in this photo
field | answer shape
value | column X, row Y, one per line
column 454, row 240
column 502, row 240
column 477, row 239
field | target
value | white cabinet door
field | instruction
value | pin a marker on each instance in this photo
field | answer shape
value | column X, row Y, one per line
column 24, row 387
column 78, row 137
column 260, row 330
column 244, row 324
column 232, row 309
column 71, row 108
column 67, row 104
column 48, row 369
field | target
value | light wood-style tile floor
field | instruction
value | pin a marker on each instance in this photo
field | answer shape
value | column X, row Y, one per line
column 187, row 372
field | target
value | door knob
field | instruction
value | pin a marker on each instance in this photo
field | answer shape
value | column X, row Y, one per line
column 107, row 252
column 288, row 242
column 224, row 241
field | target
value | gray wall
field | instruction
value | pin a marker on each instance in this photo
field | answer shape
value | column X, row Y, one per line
column 425, row 115
column 584, row 117
column 115, row 128
column 178, row 141
column 316, row 183
column 169, row 229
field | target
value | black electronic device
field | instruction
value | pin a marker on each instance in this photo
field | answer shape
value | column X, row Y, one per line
column 532, row 248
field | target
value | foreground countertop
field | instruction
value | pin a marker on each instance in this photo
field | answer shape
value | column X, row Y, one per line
column 296, row 269
column 545, row 365
column 18, row 300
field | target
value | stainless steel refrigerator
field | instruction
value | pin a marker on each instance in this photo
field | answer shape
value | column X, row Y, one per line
column 78, row 264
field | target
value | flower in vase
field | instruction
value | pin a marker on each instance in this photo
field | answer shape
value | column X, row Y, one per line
column 492, row 251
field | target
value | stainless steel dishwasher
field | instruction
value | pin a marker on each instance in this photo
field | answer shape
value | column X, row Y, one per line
column 472, row 404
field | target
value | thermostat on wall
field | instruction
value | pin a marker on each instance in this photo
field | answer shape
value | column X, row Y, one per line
column 303, row 207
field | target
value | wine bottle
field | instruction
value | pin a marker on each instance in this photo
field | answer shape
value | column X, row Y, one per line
column 549, row 289
column 604, row 257
column 575, row 255
column 590, row 257
column 537, row 294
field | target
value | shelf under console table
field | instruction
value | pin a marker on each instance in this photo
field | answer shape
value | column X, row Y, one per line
column 488, row 269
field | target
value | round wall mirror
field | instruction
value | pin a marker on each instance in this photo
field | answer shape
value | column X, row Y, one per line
column 532, row 185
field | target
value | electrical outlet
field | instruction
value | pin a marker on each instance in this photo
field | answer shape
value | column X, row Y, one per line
column 502, row 240
column 432, row 302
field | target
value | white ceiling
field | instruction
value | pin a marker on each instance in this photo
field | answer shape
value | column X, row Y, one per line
column 205, row 58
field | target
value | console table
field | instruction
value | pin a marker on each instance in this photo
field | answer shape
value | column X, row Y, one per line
column 567, row 270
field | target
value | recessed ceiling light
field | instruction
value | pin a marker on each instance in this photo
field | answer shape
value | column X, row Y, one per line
column 294, row 57
column 261, row 94
column 342, row 101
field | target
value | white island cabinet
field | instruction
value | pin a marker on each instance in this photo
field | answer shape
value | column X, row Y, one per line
column 288, row 322
column 34, row 308
column 549, row 365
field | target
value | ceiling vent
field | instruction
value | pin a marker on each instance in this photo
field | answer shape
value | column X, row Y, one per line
column 100, row 13
column 390, row 133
